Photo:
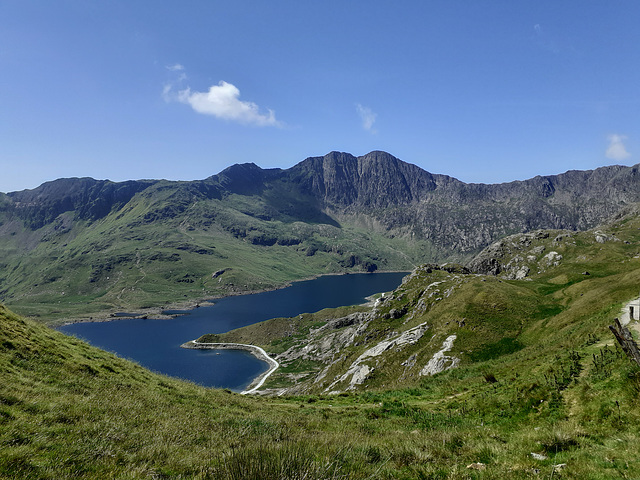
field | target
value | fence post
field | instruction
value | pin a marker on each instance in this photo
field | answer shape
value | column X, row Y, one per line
column 624, row 338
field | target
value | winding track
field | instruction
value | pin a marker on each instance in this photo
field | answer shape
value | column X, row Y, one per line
column 257, row 351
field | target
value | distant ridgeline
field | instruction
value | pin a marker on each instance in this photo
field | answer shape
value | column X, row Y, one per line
column 80, row 245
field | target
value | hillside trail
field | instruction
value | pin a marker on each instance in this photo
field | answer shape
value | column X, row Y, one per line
column 626, row 320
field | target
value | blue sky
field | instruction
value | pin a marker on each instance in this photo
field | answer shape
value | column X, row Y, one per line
column 485, row 91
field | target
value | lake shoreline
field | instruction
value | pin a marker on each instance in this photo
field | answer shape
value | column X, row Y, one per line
column 256, row 351
column 156, row 344
column 158, row 313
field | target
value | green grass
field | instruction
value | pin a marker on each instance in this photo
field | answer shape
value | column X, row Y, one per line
column 489, row 351
column 68, row 410
column 160, row 251
column 513, row 322
column 538, row 374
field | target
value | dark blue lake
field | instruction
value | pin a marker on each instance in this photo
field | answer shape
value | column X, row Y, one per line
column 155, row 344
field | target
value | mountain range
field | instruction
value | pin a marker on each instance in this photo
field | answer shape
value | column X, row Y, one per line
column 112, row 245
column 504, row 367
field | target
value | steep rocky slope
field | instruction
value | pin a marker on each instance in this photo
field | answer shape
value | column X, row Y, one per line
column 543, row 288
column 75, row 244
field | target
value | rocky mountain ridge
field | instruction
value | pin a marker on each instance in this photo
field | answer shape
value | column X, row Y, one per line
column 265, row 227
column 398, row 196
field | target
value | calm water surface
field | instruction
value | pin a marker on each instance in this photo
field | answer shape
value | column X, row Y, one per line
column 155, row 344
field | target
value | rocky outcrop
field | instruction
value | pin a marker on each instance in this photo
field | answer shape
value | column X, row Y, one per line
column 513, row 257
column 441, row 362
column 377, row 190
column 325, row 342
column 358, row 372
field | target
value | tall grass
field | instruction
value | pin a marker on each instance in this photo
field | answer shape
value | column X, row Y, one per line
column 278, row 461
column 556, row 388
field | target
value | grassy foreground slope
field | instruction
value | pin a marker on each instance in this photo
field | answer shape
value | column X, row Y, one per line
column 68, row 410
column 538, row 375
column 535, row 353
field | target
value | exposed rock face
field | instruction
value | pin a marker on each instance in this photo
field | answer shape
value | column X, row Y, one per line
column 349, row 213
column 441, row 362
column 376, row 180
column 358, row 371
column 552, row 259
column 522, row 273
column 376, row 190
column 458, row 216
column 510, row 256
column 91, row 199
column 330, row 343
column 325, row 343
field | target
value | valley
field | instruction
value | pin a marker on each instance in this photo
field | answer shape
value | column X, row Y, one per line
column 539, row 389
column 79, row 248
column 492, row 359
column 319, row 241
column 393, row 343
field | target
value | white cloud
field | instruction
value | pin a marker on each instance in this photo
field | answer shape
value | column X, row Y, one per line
column 178, row 78
column 166, row 92
column 222, row 101
column 616, row 150
column 367, row 116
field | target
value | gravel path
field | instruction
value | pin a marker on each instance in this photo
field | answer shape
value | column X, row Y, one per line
column 256, row 351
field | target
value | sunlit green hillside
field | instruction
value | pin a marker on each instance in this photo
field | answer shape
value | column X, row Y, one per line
column 175, row 245
column 80, row 247
column 540, row 391
column 576, row 283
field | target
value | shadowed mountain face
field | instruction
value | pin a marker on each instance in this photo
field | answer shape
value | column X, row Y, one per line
column 397, row 194
column 400, row 197
column 455, row 216
column 325, row 214
column 377, row 180
column 90, row 199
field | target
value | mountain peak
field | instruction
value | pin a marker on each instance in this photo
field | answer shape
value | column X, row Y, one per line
column 92, row 199
column 380, row 156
